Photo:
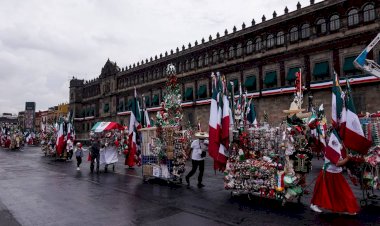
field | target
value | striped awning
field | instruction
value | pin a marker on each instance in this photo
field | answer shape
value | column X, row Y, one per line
column 105, row 126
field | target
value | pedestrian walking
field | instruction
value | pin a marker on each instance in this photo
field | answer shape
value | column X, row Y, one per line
column 70, row 149
column 95, row 155
column 79, row 154
column 198, row 147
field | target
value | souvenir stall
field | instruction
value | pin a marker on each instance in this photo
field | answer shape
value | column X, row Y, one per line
column 271, row 162
column 164, row 146
column 48, row 140
column 364, row 170
column 111, row 137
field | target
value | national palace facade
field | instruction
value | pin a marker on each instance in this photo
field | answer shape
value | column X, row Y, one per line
column 263, row 57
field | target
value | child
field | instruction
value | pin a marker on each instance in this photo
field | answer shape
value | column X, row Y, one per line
column 79, row 154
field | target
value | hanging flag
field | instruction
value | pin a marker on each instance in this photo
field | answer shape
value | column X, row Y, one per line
column 333, row 151
column 69, row 130
column 60, row 143
column 354, row 138
column 337, row 102
column 147, row 120
column 220, row 147
column 134, row 124
column 225, row 130
column 225, row 117
column 251, row 113
column 213, row 146
column 343, row 118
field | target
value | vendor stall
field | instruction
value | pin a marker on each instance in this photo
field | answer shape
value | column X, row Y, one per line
column 164, row 146
column 270, row 162
column 111, row 138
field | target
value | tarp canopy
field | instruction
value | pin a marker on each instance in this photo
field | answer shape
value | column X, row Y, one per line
column 104, row 126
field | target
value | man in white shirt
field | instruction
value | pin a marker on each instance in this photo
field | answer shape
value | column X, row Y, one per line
column 199, row 147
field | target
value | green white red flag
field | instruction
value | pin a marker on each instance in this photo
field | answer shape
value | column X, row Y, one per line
column 354, row 138
column 60, row 143
column 337, row 102
column 134, row 124
column 334, row 149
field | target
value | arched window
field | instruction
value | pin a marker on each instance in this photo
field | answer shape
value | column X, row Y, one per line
column 334, row 23
column 321, row 26
column 215, row 56
column 163, row 72
column 258, row 44
column 353, row 17
column 180, row 67
column 231, row 52
column 200, row 61
column 192, row 63
column 369, row 13
column 239, row 50
column 187, row 65
column 221, row 55
column 280, row 38
column 249, row 47
column 206, row 59
column 305, row 31
column 294, row 34
column 270, row 41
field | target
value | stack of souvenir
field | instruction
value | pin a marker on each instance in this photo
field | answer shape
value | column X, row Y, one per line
column 271, row 162
column 170, row 142
column 259, row 164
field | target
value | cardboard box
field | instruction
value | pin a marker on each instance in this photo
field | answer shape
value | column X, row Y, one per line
column 147, row 170
column 170, row 155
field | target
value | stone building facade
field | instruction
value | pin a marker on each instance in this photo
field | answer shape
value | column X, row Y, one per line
column 263, row 57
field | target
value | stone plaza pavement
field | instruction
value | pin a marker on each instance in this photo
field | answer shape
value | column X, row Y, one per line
column 36, row 190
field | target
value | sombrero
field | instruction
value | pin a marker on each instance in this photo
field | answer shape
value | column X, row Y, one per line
column 201, row 135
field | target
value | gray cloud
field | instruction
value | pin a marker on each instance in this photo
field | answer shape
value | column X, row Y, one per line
column 44, row 43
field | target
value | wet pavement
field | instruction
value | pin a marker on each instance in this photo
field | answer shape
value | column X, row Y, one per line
column 36, row 190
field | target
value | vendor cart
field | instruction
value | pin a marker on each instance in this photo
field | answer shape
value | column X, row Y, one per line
column 110, row 133
column 108, row 157
column 263, row 164
column 165, row 161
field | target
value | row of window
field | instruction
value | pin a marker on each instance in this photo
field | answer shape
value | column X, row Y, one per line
column 295, row 33
column 320, row 71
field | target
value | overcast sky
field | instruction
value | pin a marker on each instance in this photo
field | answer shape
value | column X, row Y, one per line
column 44, row 43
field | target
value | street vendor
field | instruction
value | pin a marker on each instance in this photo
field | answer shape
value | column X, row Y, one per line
column 199, row 148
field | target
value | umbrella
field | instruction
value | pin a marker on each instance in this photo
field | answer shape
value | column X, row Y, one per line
column 105, row 126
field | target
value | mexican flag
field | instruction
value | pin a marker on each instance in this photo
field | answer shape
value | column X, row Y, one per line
column 336, row 103
column 214, row 141
column 147, row 120
column 60, row 144
column 225, row 132
column 134, row 124
column 251, row 113
column 354, row 138
column 334, row 149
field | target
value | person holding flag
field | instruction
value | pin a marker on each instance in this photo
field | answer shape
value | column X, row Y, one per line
column 331, row 191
